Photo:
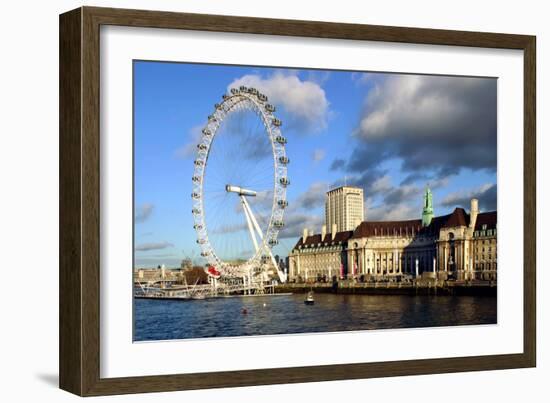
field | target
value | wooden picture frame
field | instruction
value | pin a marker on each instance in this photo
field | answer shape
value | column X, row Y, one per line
column 79, row 280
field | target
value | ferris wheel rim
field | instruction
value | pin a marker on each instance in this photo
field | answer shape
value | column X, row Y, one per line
column 238, row 99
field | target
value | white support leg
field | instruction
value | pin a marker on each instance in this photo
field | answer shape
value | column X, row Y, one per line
column 248, row 212
column 248, row 221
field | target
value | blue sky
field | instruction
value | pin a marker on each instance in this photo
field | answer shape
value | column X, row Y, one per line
column 388, row 133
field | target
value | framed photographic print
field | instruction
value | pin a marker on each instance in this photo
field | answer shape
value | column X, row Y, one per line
column 249, row 201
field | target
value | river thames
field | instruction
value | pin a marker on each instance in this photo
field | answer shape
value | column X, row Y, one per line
column 284, row 314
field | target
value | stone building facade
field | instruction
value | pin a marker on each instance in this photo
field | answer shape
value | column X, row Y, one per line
column 319, row 257
column 457, row 246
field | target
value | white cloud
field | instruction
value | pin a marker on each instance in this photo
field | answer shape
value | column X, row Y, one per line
column 318, row 155
column 391, row 212
column 381, row 185
column 452, row 198
column 153, row 246
column 304, row 101
column 189, row 149
column 486, row 195
column 143, row 212
column 362, row 78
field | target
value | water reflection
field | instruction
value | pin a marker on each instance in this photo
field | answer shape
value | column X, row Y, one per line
column 164, row 320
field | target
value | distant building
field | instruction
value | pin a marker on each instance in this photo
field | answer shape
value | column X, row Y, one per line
column 344, row 207
column 458, row 246
column 186, row 263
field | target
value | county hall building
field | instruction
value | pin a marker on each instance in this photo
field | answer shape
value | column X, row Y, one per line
column 460, row 246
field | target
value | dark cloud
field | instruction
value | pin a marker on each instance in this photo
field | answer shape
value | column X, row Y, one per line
column 297, row 216
column 402, row 194
column 416, row 177
column 295, row 224
column 436, row 124
column 143, row 212
column 152, row 246
column 311, row 198
column 337, row 164
column 486, row 195
column 368, row 180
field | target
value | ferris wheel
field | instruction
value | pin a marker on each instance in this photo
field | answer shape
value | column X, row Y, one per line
column 239, row 184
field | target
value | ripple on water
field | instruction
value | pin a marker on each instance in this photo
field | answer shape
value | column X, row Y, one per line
column 223, row 317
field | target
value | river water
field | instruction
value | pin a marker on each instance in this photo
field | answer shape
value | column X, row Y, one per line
column 283, row 314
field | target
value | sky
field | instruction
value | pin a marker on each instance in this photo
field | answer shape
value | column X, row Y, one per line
column 391, row 134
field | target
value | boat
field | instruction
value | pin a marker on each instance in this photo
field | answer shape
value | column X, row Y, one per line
column 309, row 299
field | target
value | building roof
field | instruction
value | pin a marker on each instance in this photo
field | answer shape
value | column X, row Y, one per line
column 489, row 219
column 346, row 187
column 458, row 218
column 316, row 239
column 387, row 228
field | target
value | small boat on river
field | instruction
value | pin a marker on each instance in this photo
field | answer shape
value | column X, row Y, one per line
column 309, row 299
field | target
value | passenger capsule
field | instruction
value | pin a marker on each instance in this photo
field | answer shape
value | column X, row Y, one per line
column 199, row 163
column 204, row 254
column 195, row 211
column 206, row 132
column 197, row 226
column 284, row 181
column 195, row 195
column 234, row 91
column 282, row 203
column 284, row 160
column 269, row 108
column 225, row 96
column 278, row 224
column 212, row 118
column 202, row 146
column 280, row 139
column 201, row 241
column 242, row 88
column 273, row 242
column 276, row 122
column 217, row 106
column 196, row 179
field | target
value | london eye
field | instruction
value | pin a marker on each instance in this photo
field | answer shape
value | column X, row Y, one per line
column 239, row 185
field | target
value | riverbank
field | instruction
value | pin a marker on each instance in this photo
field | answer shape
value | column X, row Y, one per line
column 397, row 288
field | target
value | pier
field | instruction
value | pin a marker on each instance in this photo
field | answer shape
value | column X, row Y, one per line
column 473, row 288
column 163, row 289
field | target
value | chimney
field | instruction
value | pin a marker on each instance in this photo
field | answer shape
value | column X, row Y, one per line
column 304, row 237
column 323, row 232
column 334, row 230
column 474, row 210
